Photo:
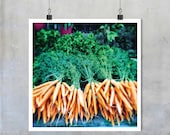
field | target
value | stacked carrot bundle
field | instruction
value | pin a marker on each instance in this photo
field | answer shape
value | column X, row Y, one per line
column 55, row 97
column 116, row 101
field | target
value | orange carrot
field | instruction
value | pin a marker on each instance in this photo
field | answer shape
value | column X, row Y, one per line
column 38, row 91
column 59, row 101
column 42, row 107
column 56, row 91
column 124, row 84
column 54, row 115
column 76, row 113
column 37, row 100
column 78, row 105
column 67, row 86
column 37, row 94
column 94, row 102
column 135, row 83
column 71, row 111
column 66, row 119
column 107, row 95
column 112, row 120
column 123, row 98
column 101, row 100
column 67, row 92
column 62, row 107
column 87, row 87
column 74, row 98
column 81, row 97
column 112, row 95
column 127, row 116
column 33, row 105
column 91, row 111
column 46, row 96
column 118, row 119
column 134, row 95
column 122, row 89
column 89, row 98
column 70, row 99
column 46, row 89
column 39, row 114
column 133, row 90
column 42, row 85
column 114, row 83
column 71, row 119
column 48, row 107
column 81, row 113
column 63, row 90
column 106, row 88
column 64, row 98
column 101, row 85
column 44, row 115
column 118, row 105
column 106, row 114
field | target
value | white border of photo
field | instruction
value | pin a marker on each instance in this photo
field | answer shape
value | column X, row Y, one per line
column 116, row 128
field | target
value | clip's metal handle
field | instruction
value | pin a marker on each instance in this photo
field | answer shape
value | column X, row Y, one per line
column 120, row 15
column 49, row 16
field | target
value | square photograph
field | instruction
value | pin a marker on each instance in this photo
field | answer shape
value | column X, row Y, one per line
column 85, row 75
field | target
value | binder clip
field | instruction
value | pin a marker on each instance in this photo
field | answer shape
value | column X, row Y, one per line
column 120, row 15
column 49, row 16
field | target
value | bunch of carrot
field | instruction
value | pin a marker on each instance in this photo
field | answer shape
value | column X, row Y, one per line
column 55, row 97
column 116, row 101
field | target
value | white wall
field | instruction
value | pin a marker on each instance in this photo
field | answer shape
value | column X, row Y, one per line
column 14, row 17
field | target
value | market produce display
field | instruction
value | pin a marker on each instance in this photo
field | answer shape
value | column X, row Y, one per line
column 76, row 78
column 115, row 101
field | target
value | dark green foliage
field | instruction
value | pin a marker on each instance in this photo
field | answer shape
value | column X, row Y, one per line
column 76, row 42
column 80, row 57
column 44, row 40
column 116, row 63
column 119, row 35
column 46, row 67
column 88, row 67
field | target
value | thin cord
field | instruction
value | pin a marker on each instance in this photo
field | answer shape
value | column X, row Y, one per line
column 49, row 16
column 49, row 3
column 120, row 7
column 49, row 7
column 120, row 15
column 120, row 3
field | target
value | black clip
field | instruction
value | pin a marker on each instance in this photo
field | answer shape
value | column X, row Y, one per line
column 120, row 17
column 49, row 17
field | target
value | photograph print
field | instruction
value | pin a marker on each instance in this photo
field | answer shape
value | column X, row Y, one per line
column 84, row 74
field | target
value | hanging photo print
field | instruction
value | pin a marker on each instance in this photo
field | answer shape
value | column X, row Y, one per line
column 85, row 75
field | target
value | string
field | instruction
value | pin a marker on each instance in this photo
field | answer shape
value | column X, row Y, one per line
column 49, row 16
column 49, row 7
column 120, row 15
column 120, row 3
column 120, row 7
